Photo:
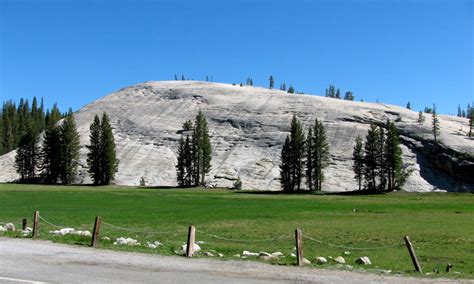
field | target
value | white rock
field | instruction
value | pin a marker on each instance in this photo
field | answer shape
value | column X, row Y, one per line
column 157, row 243
column 196, row 248
column 293, row 255
column 364, row 260
column 10, row 227
column 306, row 261
column 208, row 254
column 106, row 239
column 277, row 254
column 221, row 255
column 151, row 246
column 86, row 234
column 248, row 253
column 236, row 255
column 2, row 229
column 340, row 260
column 321, row 260
column 264, row 255
column 126, row 241
column 347, row 253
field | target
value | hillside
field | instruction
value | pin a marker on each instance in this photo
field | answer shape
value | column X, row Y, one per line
column 248, row 126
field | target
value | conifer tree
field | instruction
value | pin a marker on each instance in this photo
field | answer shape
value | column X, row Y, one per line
column 297, row 152
column 393, row 159
column 180, row 165
column 95, row 151
column 26, row 159
column 421, row 118
column 372, row 158
column 271, row 82
column 358, row 161
column 69, row 149
column 285, row 166
column 202, row 149
column 8, row 136
column 188, row 162
column 320, row 153
column 459, row 111
column 50, row 155
column 349, row 96
column 408, row 105
column 382, row 175
column 338, row 94
column 109, row 160
column 291, row 90
column 471, row 121
column 435, row 124
column 309, row 160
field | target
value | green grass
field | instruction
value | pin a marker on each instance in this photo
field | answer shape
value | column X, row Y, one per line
column 440, row 225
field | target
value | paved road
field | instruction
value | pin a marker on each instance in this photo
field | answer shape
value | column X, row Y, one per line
column 27, row 261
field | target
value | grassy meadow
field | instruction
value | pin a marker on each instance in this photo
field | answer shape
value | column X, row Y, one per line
column 440, row 225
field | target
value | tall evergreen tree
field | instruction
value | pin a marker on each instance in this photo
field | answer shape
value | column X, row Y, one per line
column 109, row 159
column 338, row 94
column 180, row 165
column 382, row 175
column 69, row 149
column 435, row 124
column 358, row 161
column 51, row 155
column 349, row 96
column 285, row 166
column 95, row 151
column 320, row 153
column 372, row 158
column 291, row 90
column 459, row 111
column 309, row 159
column 203, row 149
column 393, row 159
column 297, row 152
column 26, row 159
column 408, row 105
column 421, row 118
column 271, row 82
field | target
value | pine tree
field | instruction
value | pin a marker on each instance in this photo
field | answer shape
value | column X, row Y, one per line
column 109, row 159
column 408, row 105
column 271, row 82
column 50, row 155
column 285, row 166
column 8, row 136
column 309, row 160
column 95, row 151
column 69, row 149
column 297, row 152
column 372, row 158
column 459, row 111
column 175, row 77
column 180, row 165
column 26, row 159
column 358, row 161
column 291, row 90
column 393, row 159
column 202, row 149
column 188, row 162
column 349, row 96
column 435, row 124
column 338, row 94
column 421, row 118
column 471, row 121
column 382, row 174
column 320, row 153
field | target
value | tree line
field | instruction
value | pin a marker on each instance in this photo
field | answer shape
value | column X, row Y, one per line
column 57, row 158
column 304, row 157
column 194, row 153
column 16, row 121
column 377, row 163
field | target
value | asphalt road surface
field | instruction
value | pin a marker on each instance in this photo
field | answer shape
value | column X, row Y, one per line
column 28, row 261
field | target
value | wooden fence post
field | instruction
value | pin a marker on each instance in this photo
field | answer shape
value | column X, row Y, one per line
column 411, row 250
column 35, row 224
column 96, row 232
column 190, row 243
column 23, row 224
column 299, row 247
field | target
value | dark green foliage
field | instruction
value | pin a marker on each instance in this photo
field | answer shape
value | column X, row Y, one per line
column 285, row 166
column 101, row 159
column 459, row 111
column 435, row 124
column 338, row 94
column 109, row 160
column 408, row 105
column 50, row 155
column 291, row 90
column 393, row 163
column 26, row 159
column 194, row 153
column 349, row 96
column 320, row 153
column 237, row 184
column 309, row 160
column 283, row 87
column 95, row 150
column 358, row 161
column 331, row 91
column 69, row 150
column 372, row 158
column 271, row 82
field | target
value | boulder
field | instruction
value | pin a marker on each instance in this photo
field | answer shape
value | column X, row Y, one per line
column 221, row 255
column 306, row 261
column 277, row 254
column 107, row 239
column 321, row 260
column 2, row 229
column 10, row 227
column 248, row 253
column 151, row 246
column 208, row 254
column 340, row 260
column 236, row 255
column 196, row 248
column 86, row 234
column 364, row 260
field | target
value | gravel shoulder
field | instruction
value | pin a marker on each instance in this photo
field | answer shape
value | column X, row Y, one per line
column 28, row 261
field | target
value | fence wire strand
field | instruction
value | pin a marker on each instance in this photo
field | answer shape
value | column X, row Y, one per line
column 49, row 223
column 153, row 233
column 240, row 240
column 351, row 248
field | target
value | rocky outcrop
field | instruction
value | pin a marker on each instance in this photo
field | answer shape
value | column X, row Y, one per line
column 248, row 126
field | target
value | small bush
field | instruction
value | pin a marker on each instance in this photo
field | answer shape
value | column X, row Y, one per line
column 237, row 184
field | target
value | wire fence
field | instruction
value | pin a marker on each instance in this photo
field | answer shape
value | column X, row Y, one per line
column 353, row 248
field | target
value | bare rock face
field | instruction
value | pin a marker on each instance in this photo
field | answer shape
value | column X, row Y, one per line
column 248, row 126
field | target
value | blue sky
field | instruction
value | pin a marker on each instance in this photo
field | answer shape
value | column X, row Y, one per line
column 73, row 52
